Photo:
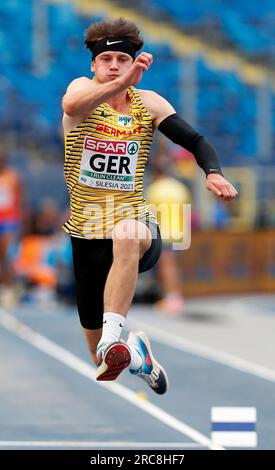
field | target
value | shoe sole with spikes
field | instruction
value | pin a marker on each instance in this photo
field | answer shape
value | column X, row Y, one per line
column 114, row 359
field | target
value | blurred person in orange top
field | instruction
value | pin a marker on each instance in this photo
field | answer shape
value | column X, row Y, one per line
column 34, row 258
column 10, row 220
column 167, row 196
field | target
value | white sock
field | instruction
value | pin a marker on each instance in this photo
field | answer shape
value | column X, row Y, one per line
column 136, row 360
column 112, row 327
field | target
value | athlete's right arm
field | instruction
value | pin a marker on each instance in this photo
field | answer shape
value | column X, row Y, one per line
column 83, row 95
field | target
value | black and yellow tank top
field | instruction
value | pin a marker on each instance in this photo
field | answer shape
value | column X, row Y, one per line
column 105, row 158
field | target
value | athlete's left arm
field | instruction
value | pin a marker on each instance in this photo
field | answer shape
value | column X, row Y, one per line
column 180, row 132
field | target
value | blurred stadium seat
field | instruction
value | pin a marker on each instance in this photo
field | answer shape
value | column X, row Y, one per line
column 247, row 26
column 236, row 116
column 225, row 105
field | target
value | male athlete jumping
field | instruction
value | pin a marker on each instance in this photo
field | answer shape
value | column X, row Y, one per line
column 108, row 127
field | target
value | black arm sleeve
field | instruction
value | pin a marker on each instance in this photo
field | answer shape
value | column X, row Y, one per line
column 181, row 133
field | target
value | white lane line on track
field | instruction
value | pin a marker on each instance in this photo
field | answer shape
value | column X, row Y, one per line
column 206, row 352
column 23, row 331
column 106, row 444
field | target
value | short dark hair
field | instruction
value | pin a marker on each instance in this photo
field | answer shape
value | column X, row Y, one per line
column 116, row 28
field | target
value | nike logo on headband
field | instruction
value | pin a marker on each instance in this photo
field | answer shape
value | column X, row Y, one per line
column 113, row 42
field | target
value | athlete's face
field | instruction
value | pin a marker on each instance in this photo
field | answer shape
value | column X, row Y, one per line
column 108, row 65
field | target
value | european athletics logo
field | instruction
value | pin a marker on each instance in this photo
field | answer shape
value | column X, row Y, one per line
column 234, row 426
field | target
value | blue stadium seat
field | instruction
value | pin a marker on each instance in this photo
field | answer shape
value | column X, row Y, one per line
column 226, row 107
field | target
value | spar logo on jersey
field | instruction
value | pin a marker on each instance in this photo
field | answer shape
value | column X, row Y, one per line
column 105, row 146
column 132, row 148
column 109, row 164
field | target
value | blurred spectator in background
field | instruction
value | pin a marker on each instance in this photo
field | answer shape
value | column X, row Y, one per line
column 48, row 217
column 42, row 258
column 34, row 257
column 10, row 221
column 65, row 287
column 168, row 196
column 221, row 215
column 264, row 214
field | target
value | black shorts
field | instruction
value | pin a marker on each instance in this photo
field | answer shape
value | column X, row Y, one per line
column 92, row 260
